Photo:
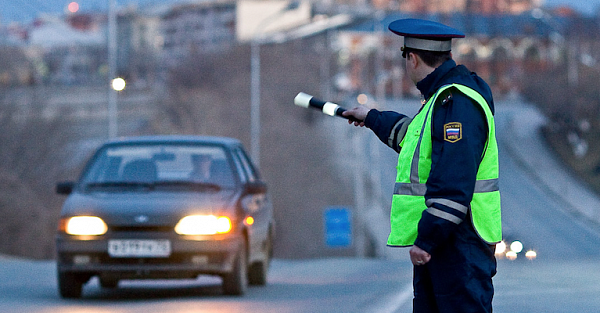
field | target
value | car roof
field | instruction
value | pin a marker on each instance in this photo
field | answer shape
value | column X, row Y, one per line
column 174, row 139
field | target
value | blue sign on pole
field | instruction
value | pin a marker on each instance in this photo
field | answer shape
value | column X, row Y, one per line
column 338, row 227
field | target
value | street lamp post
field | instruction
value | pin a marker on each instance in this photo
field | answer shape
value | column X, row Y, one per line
column 255, row 81
column 112, row 64
column 255, row 101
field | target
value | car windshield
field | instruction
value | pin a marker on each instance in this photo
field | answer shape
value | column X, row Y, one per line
column 197, row 167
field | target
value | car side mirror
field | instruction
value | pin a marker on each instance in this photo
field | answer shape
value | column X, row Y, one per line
column 65, row 188
column 256, row 187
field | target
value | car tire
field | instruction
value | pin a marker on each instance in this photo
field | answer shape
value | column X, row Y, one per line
column 70, row 285
column 257, row 275
column 109, row 283
column 236, row 282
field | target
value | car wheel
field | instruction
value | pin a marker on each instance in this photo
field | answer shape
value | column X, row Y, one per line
column 257, row 275
column 236, row 282
column 109, row 283
column 70, row 285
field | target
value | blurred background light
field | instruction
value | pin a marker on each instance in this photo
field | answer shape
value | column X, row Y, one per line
column 118, row 84
column 516, row 246
column 73, row 7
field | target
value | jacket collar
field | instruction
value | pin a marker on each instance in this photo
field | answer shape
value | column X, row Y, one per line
column 430, row 84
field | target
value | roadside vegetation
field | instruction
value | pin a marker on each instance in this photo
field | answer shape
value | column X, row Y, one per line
column 573, row 111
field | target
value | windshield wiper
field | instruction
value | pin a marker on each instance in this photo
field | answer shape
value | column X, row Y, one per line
column 196, row 185
column 119, row 184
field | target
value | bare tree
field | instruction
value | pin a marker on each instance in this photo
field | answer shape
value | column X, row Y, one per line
column 30, row 162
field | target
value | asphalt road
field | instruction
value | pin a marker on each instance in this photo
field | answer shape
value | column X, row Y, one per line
column 542, row 208
column 536, row 193
column 331, row 285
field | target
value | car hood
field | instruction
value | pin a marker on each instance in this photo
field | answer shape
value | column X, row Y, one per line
column 150, row 208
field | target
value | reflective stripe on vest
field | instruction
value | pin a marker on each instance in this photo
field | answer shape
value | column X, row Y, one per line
column 414, row 165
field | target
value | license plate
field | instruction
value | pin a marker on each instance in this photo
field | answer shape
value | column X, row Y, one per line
column 131, row 248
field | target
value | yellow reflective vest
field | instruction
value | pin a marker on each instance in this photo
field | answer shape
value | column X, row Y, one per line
column 414, row 166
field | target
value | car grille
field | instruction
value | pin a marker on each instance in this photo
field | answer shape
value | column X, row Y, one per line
column 129, row 228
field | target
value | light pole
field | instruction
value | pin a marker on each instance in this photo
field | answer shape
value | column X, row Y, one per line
column 255, row 81
column 112, row 71
column 255, row 101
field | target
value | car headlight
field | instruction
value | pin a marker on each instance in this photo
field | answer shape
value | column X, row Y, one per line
column 516, row 246
column 84, row 226
column 530, row 255
column 500, row 247
column 203, row 225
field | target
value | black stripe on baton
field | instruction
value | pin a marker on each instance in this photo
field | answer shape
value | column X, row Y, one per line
column 305, row 100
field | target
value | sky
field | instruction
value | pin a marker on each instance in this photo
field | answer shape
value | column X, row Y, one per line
column 27, row 10
column 584, row 6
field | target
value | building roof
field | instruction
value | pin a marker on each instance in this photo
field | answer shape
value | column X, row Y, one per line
column 53, row 32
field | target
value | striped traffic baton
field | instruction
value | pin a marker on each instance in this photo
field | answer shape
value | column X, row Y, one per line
column 307, row 101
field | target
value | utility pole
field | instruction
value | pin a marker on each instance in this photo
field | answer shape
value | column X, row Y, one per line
column 112, row 69
column 256, row 41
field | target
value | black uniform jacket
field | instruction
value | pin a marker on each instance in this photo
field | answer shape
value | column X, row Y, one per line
column 454, row 163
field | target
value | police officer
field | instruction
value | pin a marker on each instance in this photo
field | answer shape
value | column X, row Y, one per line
column 446, row 202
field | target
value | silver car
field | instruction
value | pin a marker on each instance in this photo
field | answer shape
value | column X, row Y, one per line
column 165, row 207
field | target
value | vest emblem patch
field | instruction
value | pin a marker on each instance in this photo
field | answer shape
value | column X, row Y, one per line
column 453, row 132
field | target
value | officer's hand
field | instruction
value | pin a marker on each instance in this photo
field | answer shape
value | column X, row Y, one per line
column 419, row 256
column 360, row 113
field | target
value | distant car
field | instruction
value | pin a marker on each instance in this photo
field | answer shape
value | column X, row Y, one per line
column 511, row 248
column 165, row 207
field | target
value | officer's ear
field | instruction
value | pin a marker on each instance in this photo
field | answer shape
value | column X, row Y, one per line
column 412, row 60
